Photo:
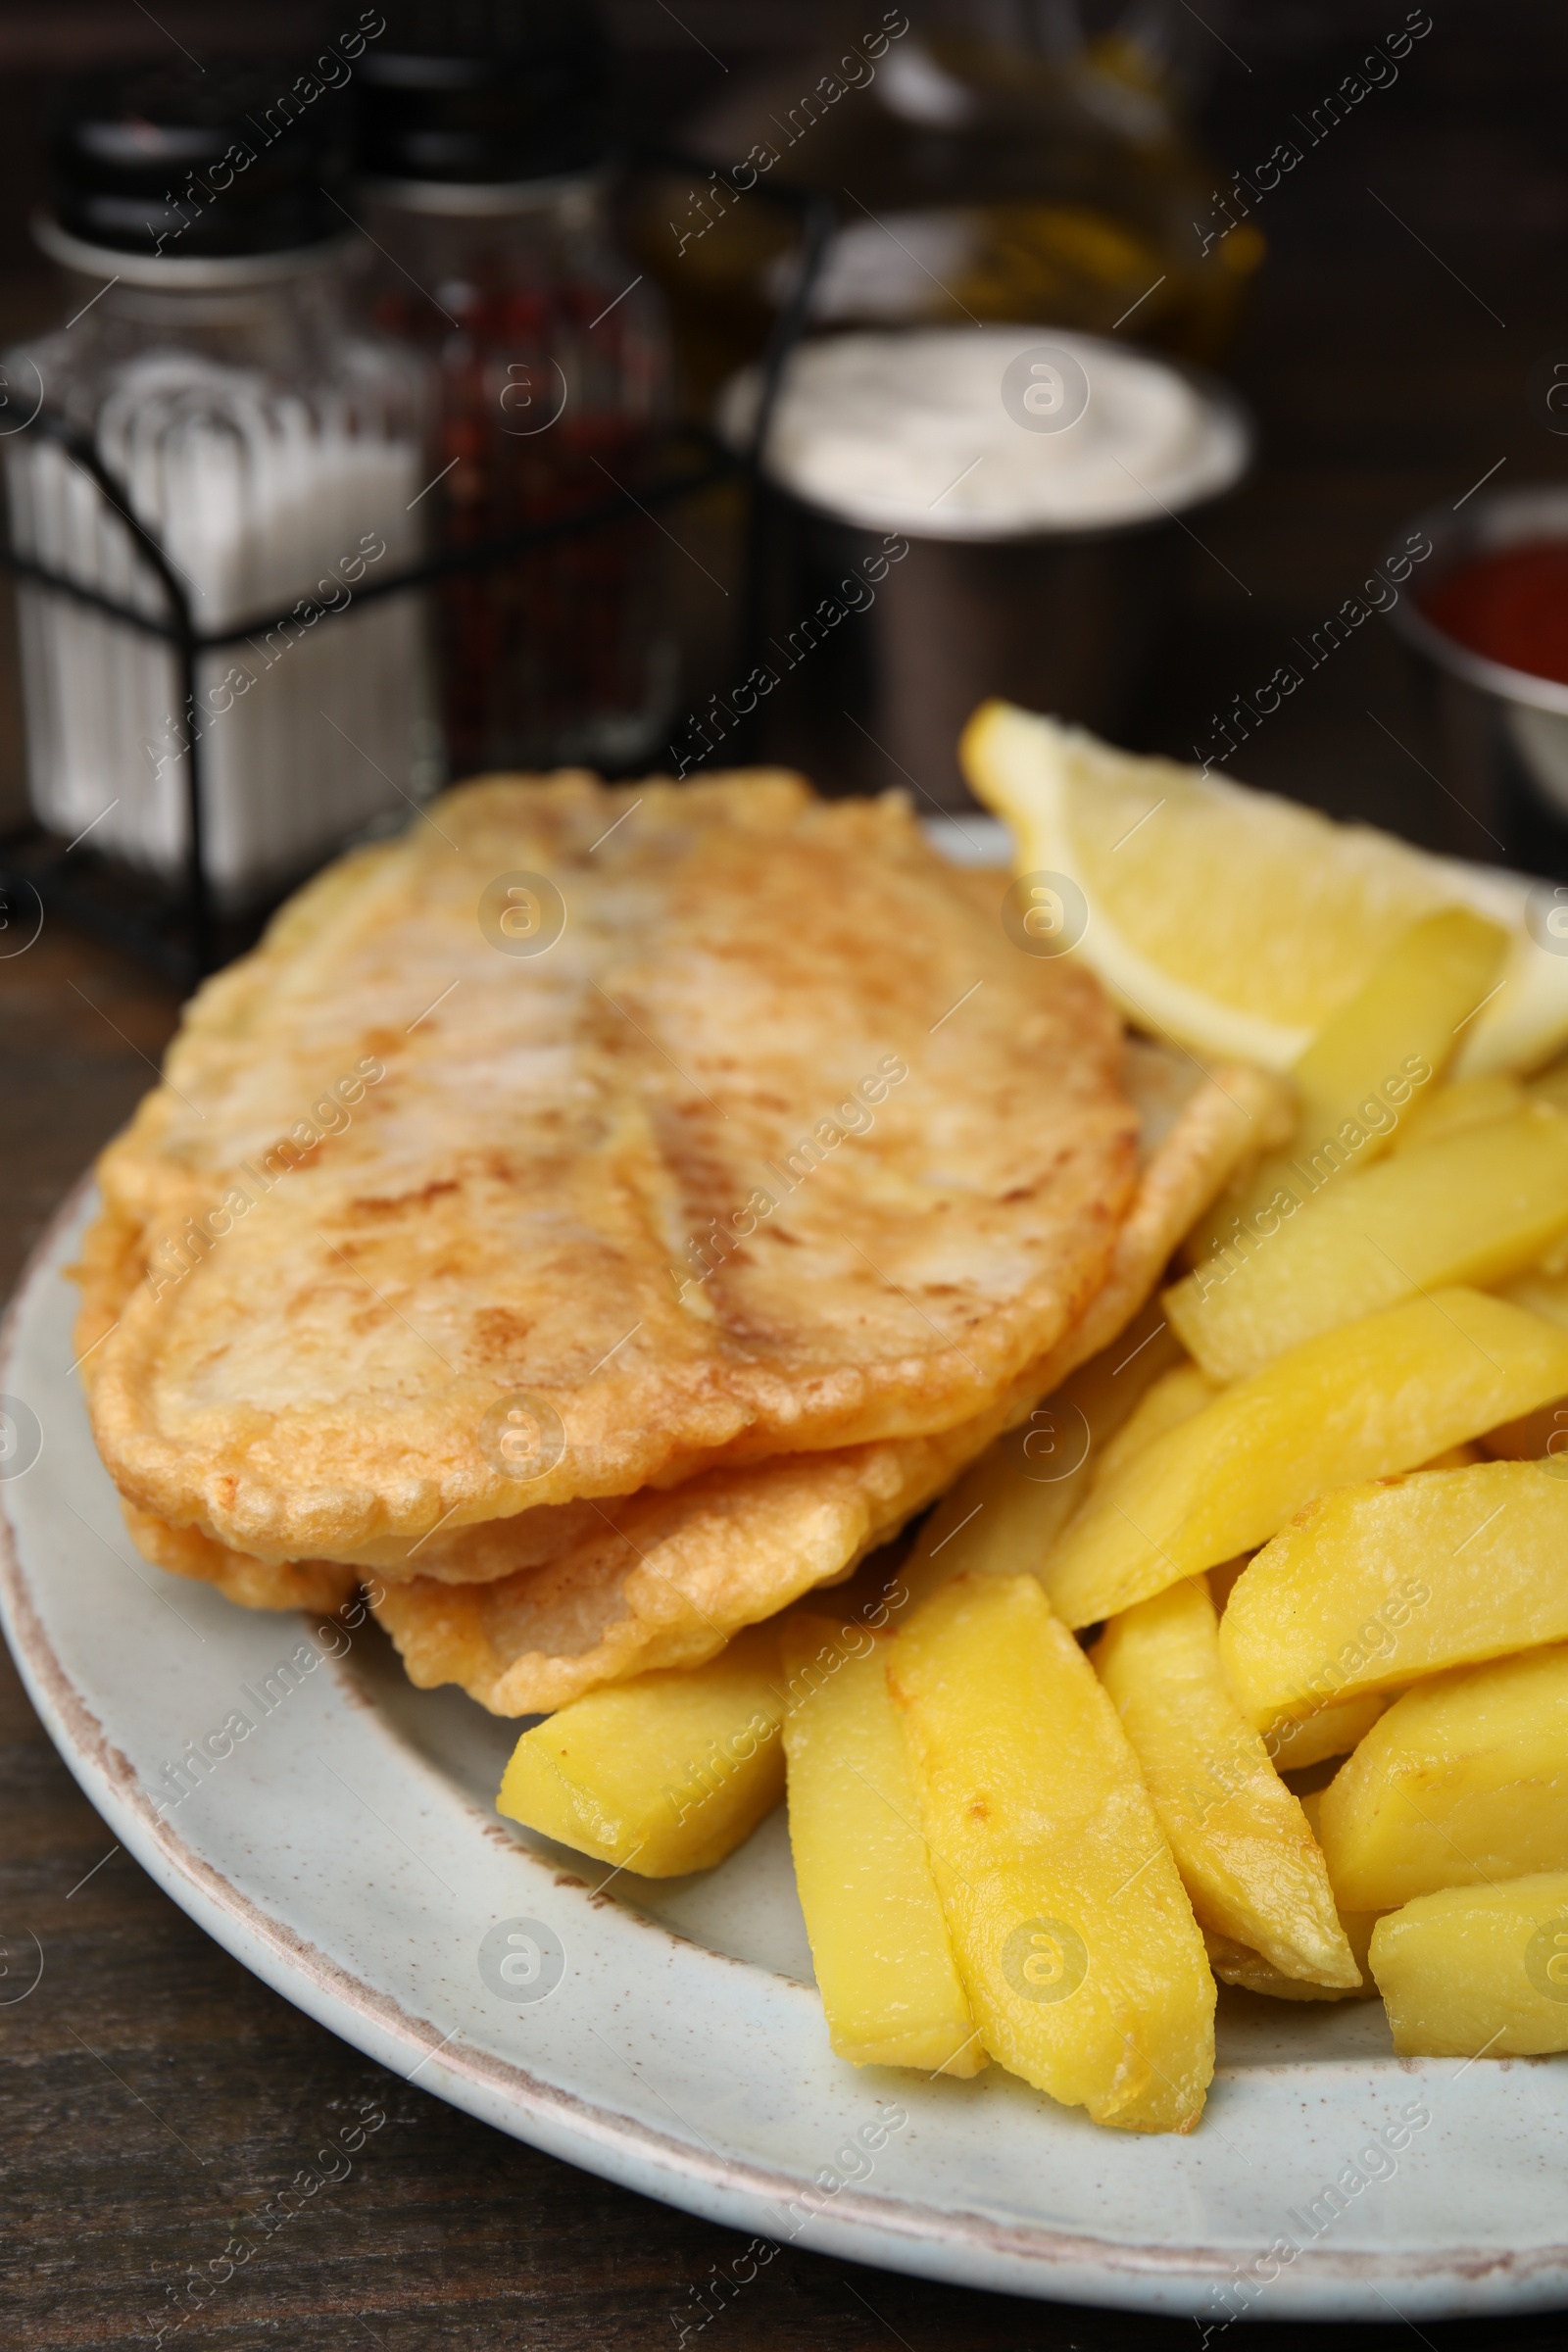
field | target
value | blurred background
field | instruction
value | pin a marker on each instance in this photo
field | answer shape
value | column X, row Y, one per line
column 1378, row 310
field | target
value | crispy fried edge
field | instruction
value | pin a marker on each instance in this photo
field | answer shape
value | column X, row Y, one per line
column 863, row 1494
column 254, row 1584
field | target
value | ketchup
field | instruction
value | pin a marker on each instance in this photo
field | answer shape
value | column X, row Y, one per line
column 1510, row 606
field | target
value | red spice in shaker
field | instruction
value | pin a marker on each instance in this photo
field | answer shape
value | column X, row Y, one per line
column 488, row 203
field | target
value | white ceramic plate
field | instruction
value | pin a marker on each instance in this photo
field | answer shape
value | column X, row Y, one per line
column 666, row 2034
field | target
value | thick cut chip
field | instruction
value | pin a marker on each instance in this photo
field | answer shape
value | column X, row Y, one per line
column 1247, row 1860
column 584, row 1139
column 1403, row 1025
column 1478, row 1972
column 1169, row 1401
column 1473, row 1207
column 882, row 1951
column 1077, row 1946
column 1369, row 1070
column 1367, row 1400
column 1468, row 1103
column 665, row 1775
column 1237, row 1964
column 1293, row 1744
column 1376, row 1586
column 1332, row 1732
column 1464, row 1780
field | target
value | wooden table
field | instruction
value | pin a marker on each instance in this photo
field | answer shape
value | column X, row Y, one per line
column 155, row 2094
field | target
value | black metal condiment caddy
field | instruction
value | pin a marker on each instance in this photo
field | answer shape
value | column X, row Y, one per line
column 180, row 932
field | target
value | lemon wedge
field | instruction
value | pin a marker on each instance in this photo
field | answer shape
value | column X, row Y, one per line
column 1231, row 921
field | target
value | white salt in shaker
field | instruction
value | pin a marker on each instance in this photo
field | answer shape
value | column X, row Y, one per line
column 275, row 456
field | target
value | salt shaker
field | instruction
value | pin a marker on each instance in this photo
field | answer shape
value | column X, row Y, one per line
column 487, row 202
column 272, row 451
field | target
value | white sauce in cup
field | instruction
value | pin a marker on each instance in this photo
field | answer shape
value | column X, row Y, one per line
column 991, row 432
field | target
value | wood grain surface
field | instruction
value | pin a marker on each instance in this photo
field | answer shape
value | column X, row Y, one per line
column 153, row 2095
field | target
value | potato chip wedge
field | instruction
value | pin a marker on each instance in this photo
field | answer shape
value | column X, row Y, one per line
column 1293, row 1745
column 668, row 1774
column 1235, row 1964
column 1377, row 1586
column 1478, row 1972
column 1076, row 1942
column 879, row 1941
column 1473, row 1207
column 1249, row 1862
column 1366, row 1400
column 1165, row 1404
column 1372, row 1065
column 1463, row 1782
column 1463, row 1102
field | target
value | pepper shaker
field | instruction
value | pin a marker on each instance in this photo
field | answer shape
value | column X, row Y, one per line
column 486, row 197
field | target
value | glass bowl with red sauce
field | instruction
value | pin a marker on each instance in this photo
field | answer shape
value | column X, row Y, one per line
column 1487, row 613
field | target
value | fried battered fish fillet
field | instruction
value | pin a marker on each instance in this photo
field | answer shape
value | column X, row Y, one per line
column 781, row 1146
column 669, row 1578
column 664, row 1579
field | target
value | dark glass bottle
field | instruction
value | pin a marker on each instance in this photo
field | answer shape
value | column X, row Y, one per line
column 487, row 198
column 987, row 163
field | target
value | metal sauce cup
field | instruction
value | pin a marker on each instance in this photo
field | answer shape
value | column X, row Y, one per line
column 1499, row 736
column 1062, row 620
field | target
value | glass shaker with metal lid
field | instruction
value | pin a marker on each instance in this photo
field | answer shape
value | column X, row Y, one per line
column 272, row 451
column 487, row 199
